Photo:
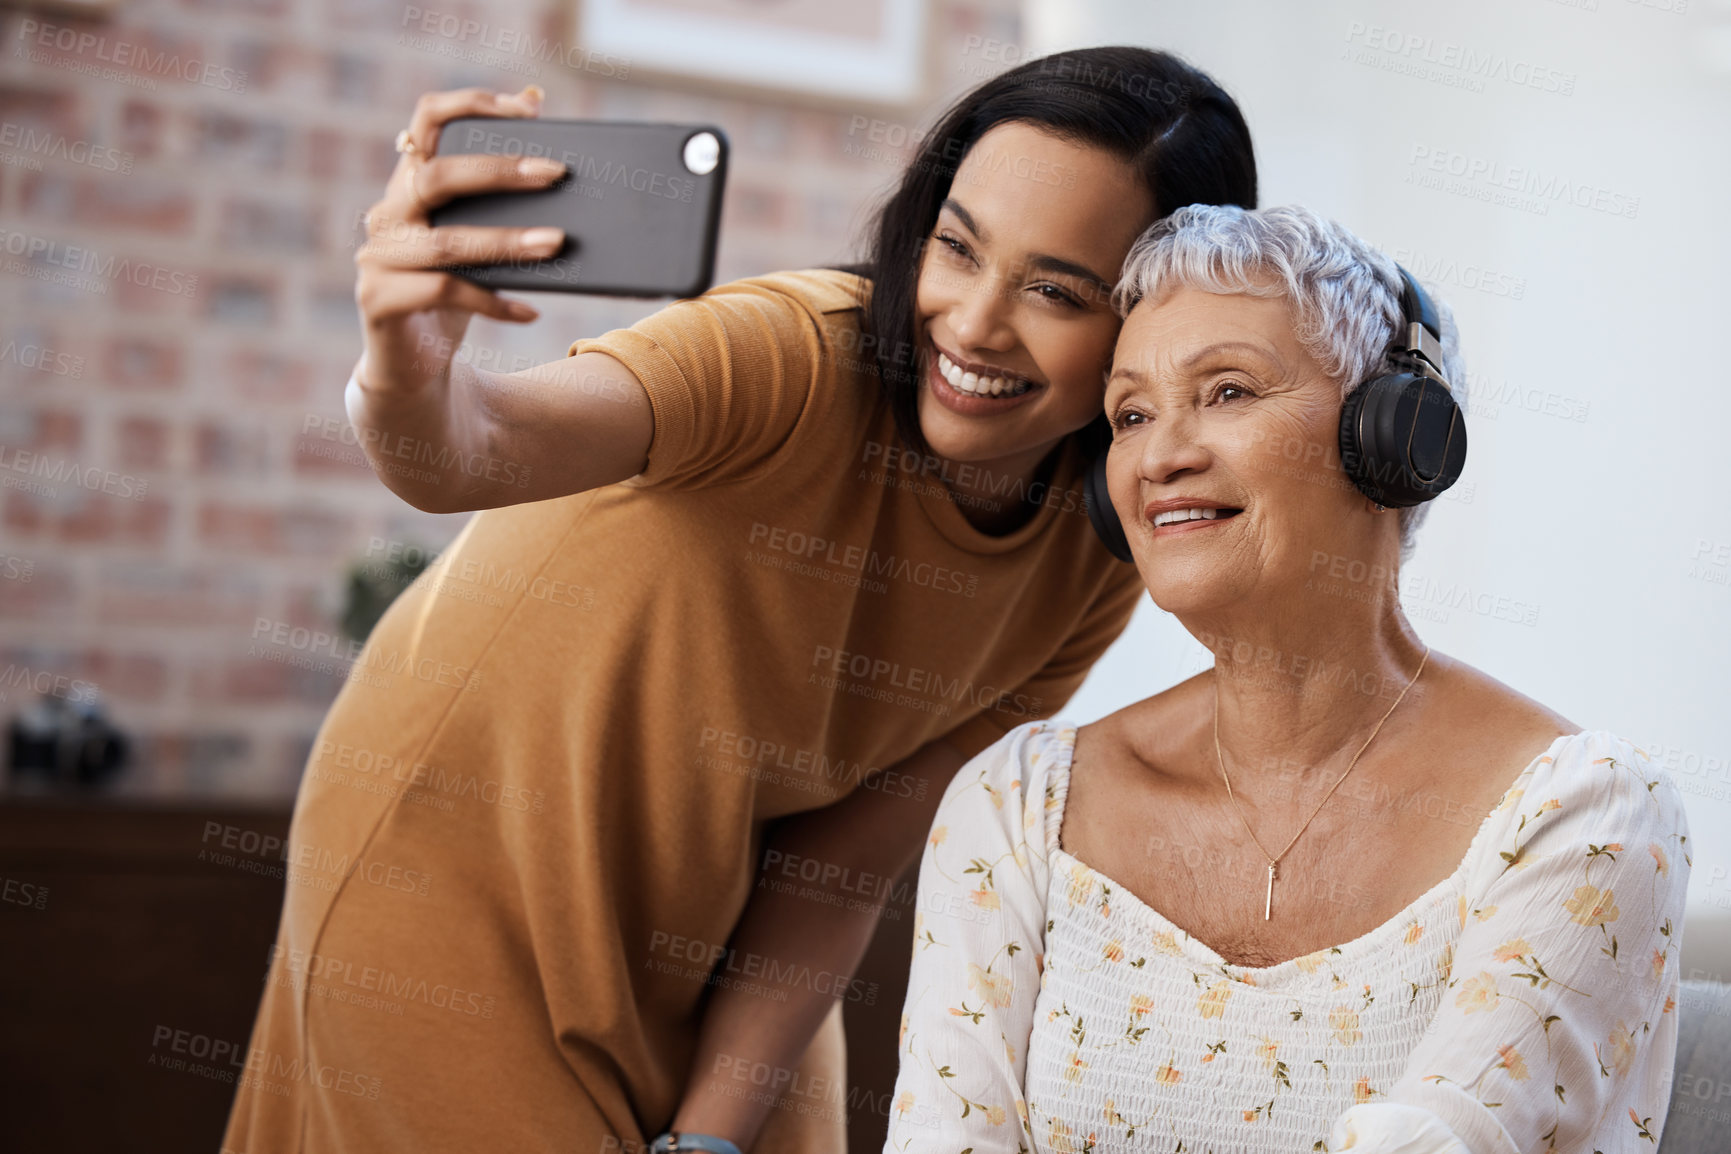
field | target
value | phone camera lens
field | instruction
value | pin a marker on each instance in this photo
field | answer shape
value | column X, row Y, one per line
column 702, row 153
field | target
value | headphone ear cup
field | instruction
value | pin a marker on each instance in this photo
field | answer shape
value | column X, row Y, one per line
column 1351, row 448
column 1402, row 439
column 1101, row 514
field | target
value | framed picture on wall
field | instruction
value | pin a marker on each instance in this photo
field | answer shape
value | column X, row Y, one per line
column 848, row 49
column 86, row 9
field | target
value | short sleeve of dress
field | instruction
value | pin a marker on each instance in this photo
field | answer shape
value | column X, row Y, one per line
column 1558, row 1029
column 979, row 942
column 732, row 375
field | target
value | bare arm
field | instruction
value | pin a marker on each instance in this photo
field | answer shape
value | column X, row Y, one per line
column 474, row 439
column 871, row 831
column 445, row 436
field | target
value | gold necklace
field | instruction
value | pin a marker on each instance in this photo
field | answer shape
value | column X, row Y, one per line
column 1274, row 859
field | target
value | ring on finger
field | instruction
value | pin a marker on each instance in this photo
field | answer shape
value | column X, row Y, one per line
column 406, row 146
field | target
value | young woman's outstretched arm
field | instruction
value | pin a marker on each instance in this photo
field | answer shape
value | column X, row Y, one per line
column 446, row 436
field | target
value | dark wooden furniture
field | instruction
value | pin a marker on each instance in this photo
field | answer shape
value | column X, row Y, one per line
column 126, row 958
column 133, row 945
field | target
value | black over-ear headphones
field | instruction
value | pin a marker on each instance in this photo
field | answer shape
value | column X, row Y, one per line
column 1402, row 437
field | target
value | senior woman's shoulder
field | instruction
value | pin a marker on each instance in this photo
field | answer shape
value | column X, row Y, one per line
column 1474, row 696
column 1482, row 705
column 1603, row 760
column 1030, row 757
column 1606, row 787
column 1017, row 781
column 1488, row 724
column 1476, row 720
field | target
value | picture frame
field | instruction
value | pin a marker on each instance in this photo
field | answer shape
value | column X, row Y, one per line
column 72, row 9
column 863, row 50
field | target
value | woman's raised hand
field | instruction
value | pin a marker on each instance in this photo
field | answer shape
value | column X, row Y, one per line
column 403, row 294
column 477, row 439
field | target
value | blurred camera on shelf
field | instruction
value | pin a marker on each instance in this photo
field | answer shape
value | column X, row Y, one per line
column 64, row 742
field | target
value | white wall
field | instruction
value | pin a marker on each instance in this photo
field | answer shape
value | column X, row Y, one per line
column 1592, row 527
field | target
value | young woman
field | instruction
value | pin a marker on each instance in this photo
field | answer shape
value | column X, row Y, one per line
column 793, row 550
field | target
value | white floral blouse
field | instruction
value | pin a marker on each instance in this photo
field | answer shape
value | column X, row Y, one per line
column 1526, row 1003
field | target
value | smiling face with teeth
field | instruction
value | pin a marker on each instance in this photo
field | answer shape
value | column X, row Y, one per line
column 1013, row 296
column 1224, row 466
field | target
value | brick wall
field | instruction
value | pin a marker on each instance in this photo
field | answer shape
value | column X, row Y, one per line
column 177, row 323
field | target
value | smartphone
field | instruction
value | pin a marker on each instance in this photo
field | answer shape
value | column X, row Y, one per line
column 640, row 204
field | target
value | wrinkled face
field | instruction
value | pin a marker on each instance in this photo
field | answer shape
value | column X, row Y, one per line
column 1013, row 302
column 1225, row 466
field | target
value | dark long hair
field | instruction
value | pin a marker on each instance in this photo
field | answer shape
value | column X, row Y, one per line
column 1174, row 124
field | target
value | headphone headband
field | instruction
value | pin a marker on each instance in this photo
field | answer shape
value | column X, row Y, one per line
column 1422, row 340
column 1416, row 304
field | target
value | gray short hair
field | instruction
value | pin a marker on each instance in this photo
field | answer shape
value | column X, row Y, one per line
column 1345, row 293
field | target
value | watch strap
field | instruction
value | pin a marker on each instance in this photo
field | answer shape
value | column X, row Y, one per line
column 678, row 1142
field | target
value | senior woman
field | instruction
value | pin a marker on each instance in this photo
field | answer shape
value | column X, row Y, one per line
column 1173, row 929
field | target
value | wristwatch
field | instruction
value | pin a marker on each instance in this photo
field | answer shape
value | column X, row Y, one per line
column 673, row 1142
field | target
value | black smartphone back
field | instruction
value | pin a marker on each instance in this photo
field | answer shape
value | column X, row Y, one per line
column 640, row 204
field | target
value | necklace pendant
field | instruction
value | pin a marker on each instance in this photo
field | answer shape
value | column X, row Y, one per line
column 1268, row 903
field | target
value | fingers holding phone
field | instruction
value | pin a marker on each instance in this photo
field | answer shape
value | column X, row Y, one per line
column 435, row 109
column 423, row 180
column 400, row 267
